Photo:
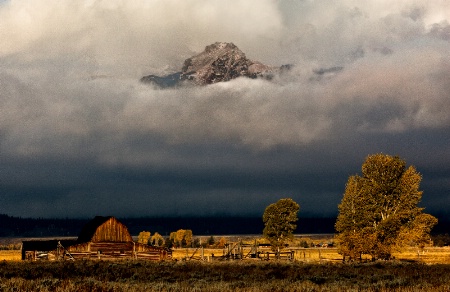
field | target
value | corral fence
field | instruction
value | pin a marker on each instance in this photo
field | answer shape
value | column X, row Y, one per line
column 243, row 251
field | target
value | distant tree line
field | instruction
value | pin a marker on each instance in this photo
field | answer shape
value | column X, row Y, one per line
column 11, row 226
column 179, row 239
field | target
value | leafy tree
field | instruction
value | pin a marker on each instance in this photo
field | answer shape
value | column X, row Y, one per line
column 417, row 233
column 222, row 242
column 188, row 237
column 304, row 244
column 182, row 238
column 197, row 243
column 280, row 222
column 441, row 240
column 157, row 239
column 379, row 209
column 173, row 239
column 144, row 237
column 168, row 242
column 211, row 240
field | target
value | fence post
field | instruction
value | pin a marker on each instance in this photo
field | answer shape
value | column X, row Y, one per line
column 203, row 254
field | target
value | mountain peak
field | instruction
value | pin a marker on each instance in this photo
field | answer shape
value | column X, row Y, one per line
column 219, row 62
column 220, row 46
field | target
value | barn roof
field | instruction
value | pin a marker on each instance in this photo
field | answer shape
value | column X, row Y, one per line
column 104, row 229
column 90, row 228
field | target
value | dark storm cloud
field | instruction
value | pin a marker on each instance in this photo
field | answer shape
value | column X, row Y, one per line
column 81, row 136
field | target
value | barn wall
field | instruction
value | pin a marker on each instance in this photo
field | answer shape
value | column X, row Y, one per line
column 111, row 250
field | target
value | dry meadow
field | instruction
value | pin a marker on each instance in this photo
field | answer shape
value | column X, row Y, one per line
column 312, row 269
column 232, row 275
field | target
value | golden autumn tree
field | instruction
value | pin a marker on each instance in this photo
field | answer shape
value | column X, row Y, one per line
column 157, row 239
column 222, row 242
column 417, row 233
column 379, row 210
column 280, row 220
column 182, row 238
column 144, row 237
column 173, row 239
column 188, row 238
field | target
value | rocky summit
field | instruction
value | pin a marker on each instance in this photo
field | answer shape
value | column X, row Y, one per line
column 219, row 62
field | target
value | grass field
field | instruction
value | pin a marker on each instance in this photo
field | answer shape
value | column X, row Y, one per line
column 129, row 275
column 314, row 269
column 10, row 255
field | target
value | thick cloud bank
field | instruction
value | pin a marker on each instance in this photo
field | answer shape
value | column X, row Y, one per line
column 81, row 136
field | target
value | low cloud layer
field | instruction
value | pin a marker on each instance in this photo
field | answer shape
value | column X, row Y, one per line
column 81, row 136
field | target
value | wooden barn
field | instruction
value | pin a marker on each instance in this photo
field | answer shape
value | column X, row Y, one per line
column 100, row 238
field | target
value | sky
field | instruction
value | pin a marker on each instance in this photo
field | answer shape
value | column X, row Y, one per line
column 81, row 136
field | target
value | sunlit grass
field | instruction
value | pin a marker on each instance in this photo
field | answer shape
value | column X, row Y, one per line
column 129, row 275
column 430, row 255
column 313, row 269
column 10, row 255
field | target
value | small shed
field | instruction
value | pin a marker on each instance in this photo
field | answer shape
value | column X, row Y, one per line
column 100, row 238
column 43, row 249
